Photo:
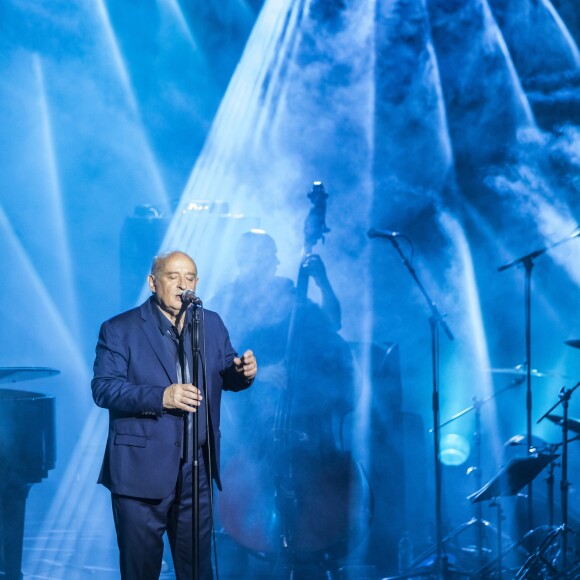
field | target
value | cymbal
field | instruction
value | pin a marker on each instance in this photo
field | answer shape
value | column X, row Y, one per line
column 573, row 342
column 573, row 424
column 17, row 374
column 520, row 371
column 521, row 440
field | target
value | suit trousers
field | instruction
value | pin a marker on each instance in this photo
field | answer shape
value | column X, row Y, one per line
column 141, row 523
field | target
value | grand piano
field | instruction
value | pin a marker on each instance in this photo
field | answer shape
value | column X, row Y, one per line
column 27, row 453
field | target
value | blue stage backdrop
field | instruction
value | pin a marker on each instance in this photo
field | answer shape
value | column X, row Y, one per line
column 130, row 128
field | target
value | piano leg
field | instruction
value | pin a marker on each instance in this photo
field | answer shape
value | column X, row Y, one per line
column 12, row 507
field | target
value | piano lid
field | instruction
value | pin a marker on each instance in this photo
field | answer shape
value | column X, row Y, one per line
column 16, row 374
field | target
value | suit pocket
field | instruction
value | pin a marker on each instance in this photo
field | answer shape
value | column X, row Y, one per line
column 132, row 440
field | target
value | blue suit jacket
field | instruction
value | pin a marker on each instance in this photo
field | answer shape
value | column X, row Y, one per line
column 131, row 372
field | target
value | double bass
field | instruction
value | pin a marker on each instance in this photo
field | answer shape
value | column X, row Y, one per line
column 301, row 498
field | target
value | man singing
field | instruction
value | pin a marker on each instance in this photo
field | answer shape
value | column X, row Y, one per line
column 143, row 374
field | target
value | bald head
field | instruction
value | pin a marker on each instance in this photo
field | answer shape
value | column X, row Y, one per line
column 171, row 274
column 256, row 255
column 159, row 261
column 255, row 245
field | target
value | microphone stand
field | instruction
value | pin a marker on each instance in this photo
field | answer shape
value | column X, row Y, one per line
column 528, row 263
column 435, row 321
column 191, row 446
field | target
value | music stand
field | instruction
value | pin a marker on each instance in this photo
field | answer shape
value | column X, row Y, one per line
column 510, row 480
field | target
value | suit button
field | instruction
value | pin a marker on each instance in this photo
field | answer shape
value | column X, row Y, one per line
column 178, row 444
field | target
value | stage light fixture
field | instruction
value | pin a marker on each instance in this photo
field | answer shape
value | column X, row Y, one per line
column 454, row 449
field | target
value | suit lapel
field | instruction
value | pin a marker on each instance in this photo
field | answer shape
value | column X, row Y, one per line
column 202, row 346
column 156, row 341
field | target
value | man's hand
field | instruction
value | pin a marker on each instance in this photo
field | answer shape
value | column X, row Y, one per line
column 315, row 268
column 330, row 304
column 246, row 365
column 184, row 397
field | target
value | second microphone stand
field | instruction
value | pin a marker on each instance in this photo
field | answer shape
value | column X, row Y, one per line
column 435, row 321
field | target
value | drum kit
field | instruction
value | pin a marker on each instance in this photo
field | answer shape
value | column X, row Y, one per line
column 547, row 551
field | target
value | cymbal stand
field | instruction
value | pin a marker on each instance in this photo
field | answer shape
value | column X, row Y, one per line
column 540, row 556
column 502, row 552
column 476, row 469
column 550, row 483
column 527, row 262
column 479, row 480
column 564, row 483
column 421, row 567
column 511, row 478
column 436, row 321
column 497, row 504
column 564, row 399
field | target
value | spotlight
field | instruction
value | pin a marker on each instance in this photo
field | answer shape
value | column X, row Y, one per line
column 454, row 449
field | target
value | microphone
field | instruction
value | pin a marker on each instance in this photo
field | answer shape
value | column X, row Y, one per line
column 379, row 233
column 190, row 297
